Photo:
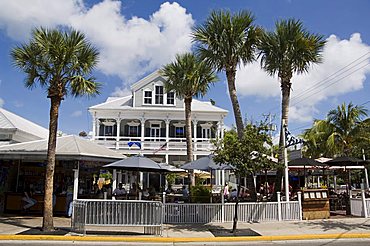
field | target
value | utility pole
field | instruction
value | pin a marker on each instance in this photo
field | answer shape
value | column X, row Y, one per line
column 272, row 127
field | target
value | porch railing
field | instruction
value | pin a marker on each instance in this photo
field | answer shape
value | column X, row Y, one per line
column 360, row 206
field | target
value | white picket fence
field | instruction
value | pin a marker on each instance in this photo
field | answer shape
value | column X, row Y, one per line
column 182, row 213
column 360, row 206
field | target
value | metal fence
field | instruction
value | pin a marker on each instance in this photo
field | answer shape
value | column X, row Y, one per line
column 181, row 213
column 117, row 213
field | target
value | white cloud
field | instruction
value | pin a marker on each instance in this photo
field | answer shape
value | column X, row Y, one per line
column 19, row 17
column 128, row 48
column 121, row 91
column 251, row 80
column 1, row 102
column 77, row 113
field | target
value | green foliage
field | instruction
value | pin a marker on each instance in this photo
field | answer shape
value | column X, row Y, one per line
column 200, row 194
column 171, row 177
column 248, row 155
column 343, row 132
column 107, row 175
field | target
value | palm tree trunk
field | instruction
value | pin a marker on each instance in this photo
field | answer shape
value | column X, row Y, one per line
column 47, row 224
column 230, row 74
column 285, row 90
column 189, row 144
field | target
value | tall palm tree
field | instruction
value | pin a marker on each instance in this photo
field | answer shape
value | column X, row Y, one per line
column 341, row 132
column 62, row 63
column 188, row 77
column 289, row 49
column 225, row 41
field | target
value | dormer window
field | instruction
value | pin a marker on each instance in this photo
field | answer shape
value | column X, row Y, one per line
column 159, row 94
column 147, row 97
column 171, row 98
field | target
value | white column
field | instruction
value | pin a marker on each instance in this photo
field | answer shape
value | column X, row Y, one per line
column 286, row 170
column 114, row 183
column 94, row 127
column 75, row 183
column 142, row 121
column 195, row 122
column 364, row 207
column 299, row 194
column 119, row 178
column 366, row 174
column 221, row 129
column 167, row 132
column 97, row 127
column 218, row 133
column 167, row 159
column 118, row 122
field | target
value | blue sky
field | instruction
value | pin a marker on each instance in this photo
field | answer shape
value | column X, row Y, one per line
column 137, row 37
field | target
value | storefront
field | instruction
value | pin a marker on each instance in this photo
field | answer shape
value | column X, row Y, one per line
column 23, row 169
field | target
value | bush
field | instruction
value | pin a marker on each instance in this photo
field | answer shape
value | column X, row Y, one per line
column 200, row 194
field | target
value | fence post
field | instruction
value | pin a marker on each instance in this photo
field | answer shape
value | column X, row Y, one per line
column 279, row 205
column 300, row 204
column 364, row 203
column 163, row 208
column 222, row 206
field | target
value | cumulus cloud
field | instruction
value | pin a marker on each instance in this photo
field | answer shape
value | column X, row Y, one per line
column 129, row 47
column 344, row 69
column 1, row 102
column 77, row 113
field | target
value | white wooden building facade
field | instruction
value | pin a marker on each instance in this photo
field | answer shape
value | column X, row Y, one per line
column 151, row 122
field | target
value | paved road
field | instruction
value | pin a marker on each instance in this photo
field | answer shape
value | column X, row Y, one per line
column 326, row 242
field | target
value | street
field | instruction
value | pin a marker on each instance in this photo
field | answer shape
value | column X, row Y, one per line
column 322, row 242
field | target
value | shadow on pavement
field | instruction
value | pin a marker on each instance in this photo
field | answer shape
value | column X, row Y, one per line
column 327, row 225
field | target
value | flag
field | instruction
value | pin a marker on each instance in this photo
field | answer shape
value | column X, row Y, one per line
column 161, row 148
column 134, row 143
column 291, row 140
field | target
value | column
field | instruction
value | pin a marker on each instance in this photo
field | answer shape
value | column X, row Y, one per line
column 167, row 133
column 118, row 123
column 97, row 127
column 221, row 128
column 218, row 132
column 195, row 122
column 114, row 185
column 167, row 159
column 75, row 182
column 94, row 127
column 142, row 122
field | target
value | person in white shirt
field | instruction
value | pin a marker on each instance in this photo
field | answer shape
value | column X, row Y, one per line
column 120, row 191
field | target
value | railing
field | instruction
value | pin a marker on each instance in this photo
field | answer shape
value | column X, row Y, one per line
column 153, row 143
column 180, row 213
column 117, row 213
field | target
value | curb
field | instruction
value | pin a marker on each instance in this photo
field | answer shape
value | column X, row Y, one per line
column 185, row 239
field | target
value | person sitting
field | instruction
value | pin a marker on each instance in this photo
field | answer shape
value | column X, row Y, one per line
column 233, row 194
column 30, row 202
column 145, row 194
column 185, row 193
column 120, row 192
column 134, row 191
column 169, row 190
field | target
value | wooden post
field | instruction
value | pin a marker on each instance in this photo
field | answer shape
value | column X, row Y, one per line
column 279, row 205
column 300, row 204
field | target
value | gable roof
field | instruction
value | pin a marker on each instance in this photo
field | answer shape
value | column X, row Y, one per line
column 67, row 146
column 12, row 121
column 115, row 103
column 145, row 80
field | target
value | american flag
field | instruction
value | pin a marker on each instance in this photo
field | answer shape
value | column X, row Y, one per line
column 161, row 148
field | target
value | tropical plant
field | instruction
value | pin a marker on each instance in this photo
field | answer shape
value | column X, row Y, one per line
column 345, row 131
column 247, row 155
column 289, row 49
column 225, row 41
column 61, row 62
column 188, row 77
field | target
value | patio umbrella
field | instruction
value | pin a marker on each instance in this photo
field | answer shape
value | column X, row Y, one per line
column 205, row 164
column 137, row 163
column 171, row 168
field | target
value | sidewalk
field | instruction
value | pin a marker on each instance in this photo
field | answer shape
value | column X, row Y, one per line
column 24, row 228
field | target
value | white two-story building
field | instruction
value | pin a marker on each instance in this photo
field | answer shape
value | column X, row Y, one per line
column 151, row 122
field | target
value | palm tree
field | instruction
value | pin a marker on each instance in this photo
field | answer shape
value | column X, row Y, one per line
column 289, row 49
column 62, row 63
column 225, row 41
column 188, row 77
column 343, row 130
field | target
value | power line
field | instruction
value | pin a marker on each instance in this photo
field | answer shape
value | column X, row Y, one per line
column 329, row 78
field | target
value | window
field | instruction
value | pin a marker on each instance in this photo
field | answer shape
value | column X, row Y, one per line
column 147, row 97
column 179, row 132
column 159, row 94
column 171, row 98
column 108, row 130
column 133, row 131
column 206, row 133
